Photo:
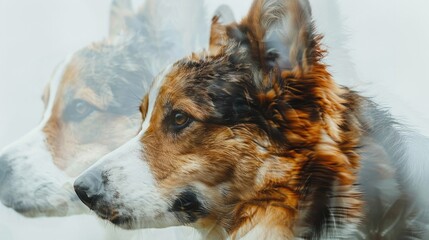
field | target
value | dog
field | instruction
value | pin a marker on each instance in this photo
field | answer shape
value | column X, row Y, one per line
column 253, row 139
column 92, row 104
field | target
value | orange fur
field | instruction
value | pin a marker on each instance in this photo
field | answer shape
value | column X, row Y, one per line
column 254, row 138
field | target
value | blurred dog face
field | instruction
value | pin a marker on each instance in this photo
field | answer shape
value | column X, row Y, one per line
column 89, row 111
column 92, row 107
column 95, row 107
column 234, row 134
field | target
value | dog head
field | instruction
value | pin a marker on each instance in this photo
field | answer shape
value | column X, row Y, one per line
column 92, row 107
column 242, row 131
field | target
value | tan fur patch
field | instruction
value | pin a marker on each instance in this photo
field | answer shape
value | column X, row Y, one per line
column 270, row 132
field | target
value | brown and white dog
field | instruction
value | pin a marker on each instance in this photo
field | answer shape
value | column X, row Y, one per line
column 253, row 139
column 92, row 104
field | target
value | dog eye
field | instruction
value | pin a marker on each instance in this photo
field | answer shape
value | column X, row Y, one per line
column 78, row 110
column 180, row 120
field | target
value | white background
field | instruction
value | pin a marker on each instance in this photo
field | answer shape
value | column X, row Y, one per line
column 388, row 42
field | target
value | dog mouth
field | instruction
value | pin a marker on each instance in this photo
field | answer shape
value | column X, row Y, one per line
column 44, row 208
column 115, row 217
column 46, row 200
column 122, row 220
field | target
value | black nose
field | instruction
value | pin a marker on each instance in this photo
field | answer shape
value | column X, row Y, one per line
column 88, row 188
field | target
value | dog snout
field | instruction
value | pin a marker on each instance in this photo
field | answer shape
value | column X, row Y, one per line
column 5, row 188
column 5, row 169
column 88, row 188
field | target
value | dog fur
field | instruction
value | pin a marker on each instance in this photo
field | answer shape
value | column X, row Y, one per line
column 253, row 139
column 92, row 104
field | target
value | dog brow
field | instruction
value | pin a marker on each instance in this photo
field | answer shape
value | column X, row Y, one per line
column 153, row 95
column 54, row 84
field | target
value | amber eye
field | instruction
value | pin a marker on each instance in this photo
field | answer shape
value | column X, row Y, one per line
column 78, row 110
column 180, row 120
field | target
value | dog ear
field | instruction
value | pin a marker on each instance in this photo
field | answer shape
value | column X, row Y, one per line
column 121, row 14
column 280, row 33
column 218, row 35
column 225, row 14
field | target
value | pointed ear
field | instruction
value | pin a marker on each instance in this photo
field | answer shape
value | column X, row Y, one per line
column 218, row 32
column 225, row 14
column 280, row 33
column 121, row 13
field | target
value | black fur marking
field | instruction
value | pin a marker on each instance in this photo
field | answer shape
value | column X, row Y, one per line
column 187, row 207
column 317, row 181
column 238, row 34
column 228, row 92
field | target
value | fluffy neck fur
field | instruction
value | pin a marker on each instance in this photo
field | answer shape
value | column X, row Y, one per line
column 305, row 185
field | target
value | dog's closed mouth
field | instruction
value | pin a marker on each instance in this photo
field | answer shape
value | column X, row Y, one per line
column 105, row 212
column 120, row 220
